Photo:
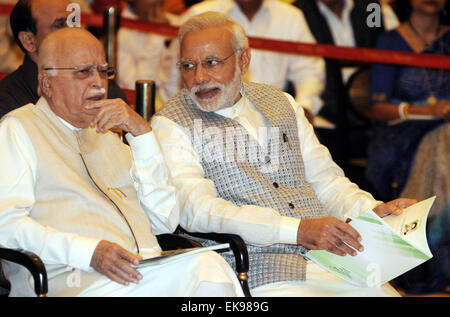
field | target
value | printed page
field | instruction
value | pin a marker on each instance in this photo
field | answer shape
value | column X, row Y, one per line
column 386, row 254
column 411, row 224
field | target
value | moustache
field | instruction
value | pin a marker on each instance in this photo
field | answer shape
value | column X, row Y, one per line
column 96, row 94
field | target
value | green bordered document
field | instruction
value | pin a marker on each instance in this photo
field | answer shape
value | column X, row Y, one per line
column 173, row 255
column 393, row 245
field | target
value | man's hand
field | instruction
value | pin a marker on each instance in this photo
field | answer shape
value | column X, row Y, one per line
column 116, row 113
column 329, row 234
column 394, row 207
column 114, row 261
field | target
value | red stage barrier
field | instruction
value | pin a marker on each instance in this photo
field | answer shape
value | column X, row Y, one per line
column 328, row 51
column 131, row 95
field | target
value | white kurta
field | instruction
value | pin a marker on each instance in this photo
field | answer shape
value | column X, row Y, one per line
column 207, row 274
column 258, row 225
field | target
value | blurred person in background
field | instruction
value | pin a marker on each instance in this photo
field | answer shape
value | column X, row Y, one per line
column 141, row 55
column 343, row 23
column 10, row 54
column 411, row 156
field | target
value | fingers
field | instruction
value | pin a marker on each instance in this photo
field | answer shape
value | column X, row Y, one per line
column 108, row 114
column 329, row 234
column 403, row 202
column 107, row 118
column 116, row 113
column 346, row 239
column 384, row 210
column 394, row 207
column 114, row 261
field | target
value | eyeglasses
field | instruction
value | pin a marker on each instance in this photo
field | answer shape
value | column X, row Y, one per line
column 211, row 65
column 85, row 71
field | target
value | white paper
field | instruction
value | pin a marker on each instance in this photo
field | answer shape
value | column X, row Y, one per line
column 392, row 246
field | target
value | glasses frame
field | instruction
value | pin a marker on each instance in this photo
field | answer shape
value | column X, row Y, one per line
column 106, row 67
column 203, row 63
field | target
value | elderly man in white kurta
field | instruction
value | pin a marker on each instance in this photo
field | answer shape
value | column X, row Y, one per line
column 246, row 161
column 66, row 191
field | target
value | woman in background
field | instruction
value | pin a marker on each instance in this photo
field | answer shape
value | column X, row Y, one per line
column 410, row 155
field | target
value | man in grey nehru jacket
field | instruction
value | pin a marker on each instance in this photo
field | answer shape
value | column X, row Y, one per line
column 245, row 160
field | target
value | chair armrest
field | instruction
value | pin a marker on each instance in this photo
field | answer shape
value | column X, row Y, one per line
column 239, row 249
column 170, row 241
column 33, row 263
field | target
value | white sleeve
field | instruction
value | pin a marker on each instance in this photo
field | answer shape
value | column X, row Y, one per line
column 335, row 191
column 17, row 229
column 158, row 197
column 307, row 73
column 202, row 209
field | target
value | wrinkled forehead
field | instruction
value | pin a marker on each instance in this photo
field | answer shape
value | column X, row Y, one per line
column 211, row 41
column 77, row 51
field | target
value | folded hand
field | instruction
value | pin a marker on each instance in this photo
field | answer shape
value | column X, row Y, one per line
column 116, row 113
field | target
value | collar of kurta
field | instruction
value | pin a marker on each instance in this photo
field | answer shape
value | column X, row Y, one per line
column 348, row 6
column 232, row 5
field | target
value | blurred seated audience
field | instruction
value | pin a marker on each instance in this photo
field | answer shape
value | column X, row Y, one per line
column 99, row 5
column 342, row 23
column 11, row 55
column 143, row 55
column 411, row 110
column 31, row 21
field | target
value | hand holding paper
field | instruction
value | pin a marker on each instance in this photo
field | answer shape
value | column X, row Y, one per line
column 329, row 234
column 393, row 245
column 394, row 207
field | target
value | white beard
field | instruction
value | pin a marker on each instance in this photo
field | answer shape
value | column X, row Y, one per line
column 228, row 93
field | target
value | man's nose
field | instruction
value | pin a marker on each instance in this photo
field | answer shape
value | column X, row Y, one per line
column 200, row 75
column 97, row 80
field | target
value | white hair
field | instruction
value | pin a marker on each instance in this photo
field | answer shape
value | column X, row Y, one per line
column 211, row 19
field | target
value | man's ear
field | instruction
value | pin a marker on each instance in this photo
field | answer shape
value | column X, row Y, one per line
column 44, row 83
column 28, row 40
column 244, row 60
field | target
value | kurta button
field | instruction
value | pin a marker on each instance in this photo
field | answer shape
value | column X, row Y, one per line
column 291, row 205
column 275, row 184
